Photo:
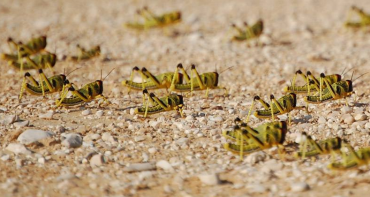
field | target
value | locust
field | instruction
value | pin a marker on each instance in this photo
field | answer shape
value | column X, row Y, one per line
column 283, row 105
column 249, row 140
column 45, row 85
column 152, row 21
column 310, row 147
column 86, row 54
column 87, row 93
column 196, row 82
column 364, row 19
column 248, row 32
column 151, row 82
column 312, row 83
column 167, row 103
column 352, row 158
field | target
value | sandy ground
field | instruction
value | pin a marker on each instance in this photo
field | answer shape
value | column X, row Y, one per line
column 306, row 35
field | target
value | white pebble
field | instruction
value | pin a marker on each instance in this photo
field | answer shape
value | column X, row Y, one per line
column 360, row 117
column 18, row 149
column 152, row 150
column 348, row 119
column 132, row 111
column 154, row 124
column 216, row 119
column 209, row 179
column 299, row 187
column 346, row 110
column 256, row 157
column 321, row 120
column 96, row 160
column 86, row 112
column 7, row 119
column 99, row 113
column 139, row 138
column 5, row 157
column 47, row 115
column 21, row 124
column 32, row 135
column 164, row 165
column 41, row 160
column 137, row 167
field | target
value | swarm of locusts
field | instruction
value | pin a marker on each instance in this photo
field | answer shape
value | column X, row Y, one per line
column 180, row 84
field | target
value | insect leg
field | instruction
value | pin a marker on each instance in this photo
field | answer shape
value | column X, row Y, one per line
column 250, row 109
column 200, row 82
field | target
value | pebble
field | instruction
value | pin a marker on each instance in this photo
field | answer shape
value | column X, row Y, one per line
column 299, row 187
column 346, row 110
column 32, row 135
column 257, row 188
column 132, row 111
column 216, row 119
column 41, row 160
column 154, row 124
column 348, row 119
column 97, row 160
column 86, row 112
column 72, row 140
column 360, row 117
column 138, row 167
column 139, row 138
column 107, row 137
column 21, row 124
column 152, row 150
column 163, row 164
column 18, row 149
column 99, row 113
column 7, row 119
column 209, row 179
column 255, row 157
column 182, row 141
column 367, row 125
column 47, row 115
column 5, row 157
column 321, row 120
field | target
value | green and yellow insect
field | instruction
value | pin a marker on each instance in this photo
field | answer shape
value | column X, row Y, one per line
column 167, row 103
column 352, row 158
column 311, row 82
column 310, row 147
column 335, row 91
column 86, row 54
column 364, row 19
column 45, row 85
column 248, row 32
column 249, row 140
column 151, row 82
column 281, row 106
column 87, row 93
column 39, row 61
column 205, row 81
column 153, row 21
column 35, row 45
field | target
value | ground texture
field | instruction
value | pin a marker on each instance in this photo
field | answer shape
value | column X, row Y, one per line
column 180, row 156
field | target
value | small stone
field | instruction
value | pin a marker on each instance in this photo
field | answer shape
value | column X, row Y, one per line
column 138, row 167
column 33, row 135
column 216, row 119
column 41, row 160
column 154, row 124
column 96, row 160
column 167, row 189
column 360, row 117
column 21, row 124
column 164, row 165
column 18, row 149
column 182, row 141
column 72, row 140
column 132, row 111
column 152, row 150
column 346, row 110
column 48, row 115
column 299, row 187
column 5, row 157
column 139, row 138
column 107, row 137
column 321, row 120
column 86, row 112
column 99, row 113
column 348, row 119
column 145, row 157
column 367, row 125
column 7, row 119
column 209, row 179
column 257, row 188
column 256, row 157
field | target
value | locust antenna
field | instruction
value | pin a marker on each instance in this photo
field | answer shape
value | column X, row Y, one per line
column 226, row 69
column 108, row 74
column 360, row 76
column 72, row 71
